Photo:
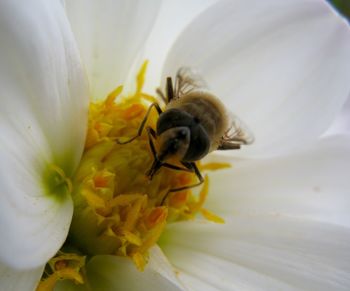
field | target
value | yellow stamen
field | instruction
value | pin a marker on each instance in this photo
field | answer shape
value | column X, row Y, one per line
column 141, row 78
column 214, row 166
column 211, row 216
column 112, row 96
column 112, row 190
column 132, row 238
column 63, row 267
column 118, row 210
column 139, row 260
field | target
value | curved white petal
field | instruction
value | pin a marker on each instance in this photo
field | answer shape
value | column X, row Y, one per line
column 311, row 184
column 110, row 34
column 261, row 253
column 172, row 19
column 13, row 280
column 43, row 116
column 106, row 273
column 282, row 66
column 341, row 125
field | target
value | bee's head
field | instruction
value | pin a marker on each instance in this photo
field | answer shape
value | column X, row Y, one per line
column 180, row 137
column 174, row 143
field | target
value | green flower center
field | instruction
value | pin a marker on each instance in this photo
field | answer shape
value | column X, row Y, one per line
column 56, row 184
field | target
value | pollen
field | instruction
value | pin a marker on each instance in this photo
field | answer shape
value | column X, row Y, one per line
column 117, row 209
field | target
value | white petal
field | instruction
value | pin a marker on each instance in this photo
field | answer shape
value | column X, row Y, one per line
column 261, row 253
column 43, row 116
column 282, row 66
column 110, row 34
column 108, row 273
column 166, row 29
column 314, row 184
column 12, row 280
column 341, row 125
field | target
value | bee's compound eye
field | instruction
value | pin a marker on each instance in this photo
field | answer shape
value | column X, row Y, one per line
column 173, row 118
column 199, row 144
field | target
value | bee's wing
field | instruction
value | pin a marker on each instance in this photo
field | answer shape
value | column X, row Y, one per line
column 237, row 134
column 188, row 80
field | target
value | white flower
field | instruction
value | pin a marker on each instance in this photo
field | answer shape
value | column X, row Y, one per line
column 282, row 66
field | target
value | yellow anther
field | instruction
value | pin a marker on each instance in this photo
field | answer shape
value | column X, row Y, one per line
column 123, row 200
column 214, row 166
column 111, row 97
column 63, row 267
column 211, row 216
column 140, row 79
column 117, row 209
column 134, row 213
column 93, row 199
column 194, row 207
column 132, row 238
column 139, row 261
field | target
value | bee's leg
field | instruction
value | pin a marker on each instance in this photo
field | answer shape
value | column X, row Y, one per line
column 169, row 89
column 139, row 132
column 228, row 145
column 192, row 168
column 161, row 94
column 174, row 167
column 152, row 133
column 157, row 164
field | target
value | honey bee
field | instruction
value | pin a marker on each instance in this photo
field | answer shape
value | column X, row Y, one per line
column 193, row 124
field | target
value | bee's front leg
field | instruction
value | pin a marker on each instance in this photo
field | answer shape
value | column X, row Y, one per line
column 191, row 167
column 143, row 123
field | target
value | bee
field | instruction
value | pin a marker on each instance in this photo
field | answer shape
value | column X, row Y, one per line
column 193, row 124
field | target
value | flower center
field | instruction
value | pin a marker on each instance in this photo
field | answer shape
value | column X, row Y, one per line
column 117, row 209
column 56, row 184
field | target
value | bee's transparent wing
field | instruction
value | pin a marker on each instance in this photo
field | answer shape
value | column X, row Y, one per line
column 238, row 134
column 188, row 80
